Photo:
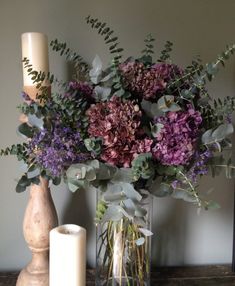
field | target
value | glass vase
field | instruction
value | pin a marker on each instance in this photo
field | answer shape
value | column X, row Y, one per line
column 123, row 252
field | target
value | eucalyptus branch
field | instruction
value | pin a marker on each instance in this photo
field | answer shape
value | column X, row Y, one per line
column 64, row 50
column 112, row 42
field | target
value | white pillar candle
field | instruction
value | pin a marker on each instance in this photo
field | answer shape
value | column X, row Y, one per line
column 68, row 256
column 35, row 49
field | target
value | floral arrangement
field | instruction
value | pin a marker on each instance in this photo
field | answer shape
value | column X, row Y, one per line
column 139, row 126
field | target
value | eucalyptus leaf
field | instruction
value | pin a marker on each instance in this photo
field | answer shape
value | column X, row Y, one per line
column 184, row 195
column 156, row 129
column 114, row 197
column 166, row 103
column 22, row 184
column 33, row 120
column 108, row 77
column 212, row 205
column 102, row 93
column 112, row 213
column 106, row 172
column 145, row 231
column 96, row 71
column 140, row 211
column 33, row 173
column 123, row 175
column 140, row 241
column 130, row 192
column 222, row 131
column 25, row 130
column 159, row 189
column 151, row 109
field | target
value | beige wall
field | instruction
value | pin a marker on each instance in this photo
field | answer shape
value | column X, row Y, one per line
column 196, row 27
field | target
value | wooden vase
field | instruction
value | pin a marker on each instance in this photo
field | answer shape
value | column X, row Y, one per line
column 40, row 217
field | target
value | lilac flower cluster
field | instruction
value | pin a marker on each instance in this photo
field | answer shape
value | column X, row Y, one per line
column 176, row 142
column 199, row 166
column 148, row 83
column 56, row 150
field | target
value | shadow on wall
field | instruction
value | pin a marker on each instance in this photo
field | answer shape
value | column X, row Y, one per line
column 168, row 242
column 77, row 211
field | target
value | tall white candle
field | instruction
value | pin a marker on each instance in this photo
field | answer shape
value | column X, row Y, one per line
column 35, row 49
column 68, row 256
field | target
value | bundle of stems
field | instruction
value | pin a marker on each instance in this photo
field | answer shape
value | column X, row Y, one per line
column 123, row 257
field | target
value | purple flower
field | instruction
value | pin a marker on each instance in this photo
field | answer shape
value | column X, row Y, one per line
column 55, row 150
column 176, row 142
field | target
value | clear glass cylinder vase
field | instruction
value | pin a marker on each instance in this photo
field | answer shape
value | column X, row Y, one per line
column 123, row 249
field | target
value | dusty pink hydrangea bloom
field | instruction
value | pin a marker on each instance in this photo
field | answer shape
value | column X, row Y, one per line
column 118, row 124
column 147, row 82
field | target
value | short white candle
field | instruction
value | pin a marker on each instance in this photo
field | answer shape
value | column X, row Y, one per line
column 35, row 49
column 68, row 256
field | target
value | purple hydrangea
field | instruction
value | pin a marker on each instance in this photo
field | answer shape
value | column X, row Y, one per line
column 176, row 142
column 56, row 150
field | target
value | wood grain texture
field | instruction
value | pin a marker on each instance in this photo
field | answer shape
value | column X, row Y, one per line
column 216, row 275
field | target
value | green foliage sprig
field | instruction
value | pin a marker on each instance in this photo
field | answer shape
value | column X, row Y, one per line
column 109, row 38
column 148, row 51
column 165, row 54
column 80, row 65
column 19, row 150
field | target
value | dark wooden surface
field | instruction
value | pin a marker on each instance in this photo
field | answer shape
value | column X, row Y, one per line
column 220, row 275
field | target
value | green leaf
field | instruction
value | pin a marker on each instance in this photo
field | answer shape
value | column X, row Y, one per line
column 123, row 175
column 151, row 109
column 33, row 173
column 166, row 103
column 33, row 120
column 140, row 241
column 22, row 184
column 184, row 195
column 160, row 189
column 156, row 129
column 145, row 231
column 211, row 205
column 96, row 71
column 130, row 192
column 112, row 213
column 220, row 133
column 25, row 130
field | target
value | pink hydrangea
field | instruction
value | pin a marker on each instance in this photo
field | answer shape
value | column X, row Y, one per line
column 176, row 142
column 118, row 124
column 147, row 82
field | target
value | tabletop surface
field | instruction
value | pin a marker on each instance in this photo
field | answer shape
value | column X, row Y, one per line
column 216, row 275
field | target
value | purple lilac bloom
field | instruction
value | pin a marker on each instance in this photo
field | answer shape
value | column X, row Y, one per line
column 176, row 142
column 199, row 166
column 57, row 149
